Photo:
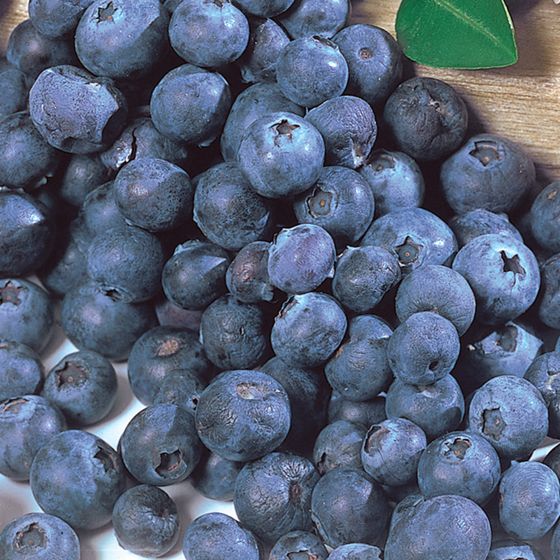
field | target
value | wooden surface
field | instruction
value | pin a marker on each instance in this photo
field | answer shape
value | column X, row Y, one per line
column 520, row 102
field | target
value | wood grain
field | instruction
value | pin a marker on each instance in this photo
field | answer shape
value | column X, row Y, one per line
column 520, row 102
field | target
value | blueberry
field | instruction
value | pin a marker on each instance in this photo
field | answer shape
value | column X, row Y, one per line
column 75, row 111
column 395, row 180
column 308, row 329
column 427, row 118
column 22, row 371
column 417, row 236
column 14, row 89
column 308, row 394
column 191, row 105
column 512, row 549
column 57, row 18
column 509, row 350
column 215, row 536
column 100, row 212
column 503, row 273
column 552, row 459
column 122, row 39
column 267, row 39
column 349, row 129
column 281, row 155
column 182, row 388
column 365, row 413
column 83, row 385
column 356, row 552
column 543, row 217
column 160, row 446
column 141, row 139
column 26, row 159
column 243, row 415
column 348, row 506
column 163, row 352
column 208, row 33
column 234, row 334
column 423, row 349
column 273, row 495
column 39, row 536
column 375, row 61
column 391, row 451
column 311, row 70
column 255, row 102
column 446, row 533
column 549, row 306
column 227, row 210
column 300, row 545
column 31, row 52
column 265, row 8
column 26, row 233
column 360, row 369
column 306, row 18
column 98, row 320
column 529, row 500
column 437, row 408
column 26, row 313
column 195, row 275
column 544, row 374
column 154, row 194
column 247, row 276
column 170, row 315
column 462, row 464
column 215, row 477
column 78, row 477
column 475, row 223
column 26, row 424
column 439, row 289
column 488, row 172
column 363, row 276
column 84, row 173
column 128, row 261
column 341, row 202
column 146, row 521
column 511, row 414
column 339, row 445
column 555, row 544
column 301, row 258
column 66, row 268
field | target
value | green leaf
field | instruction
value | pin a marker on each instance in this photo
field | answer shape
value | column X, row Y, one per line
column 457, row 33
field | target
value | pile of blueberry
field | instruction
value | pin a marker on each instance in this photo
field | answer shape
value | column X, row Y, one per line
column 362, row 360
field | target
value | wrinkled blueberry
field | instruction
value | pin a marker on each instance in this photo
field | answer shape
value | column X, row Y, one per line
column 146, row 521
column 75, row 111
column 427, row 118
column 273, row 495
column 243, row 415
column 301, row 258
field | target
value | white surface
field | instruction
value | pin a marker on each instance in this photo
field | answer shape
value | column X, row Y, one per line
column 16, row 498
